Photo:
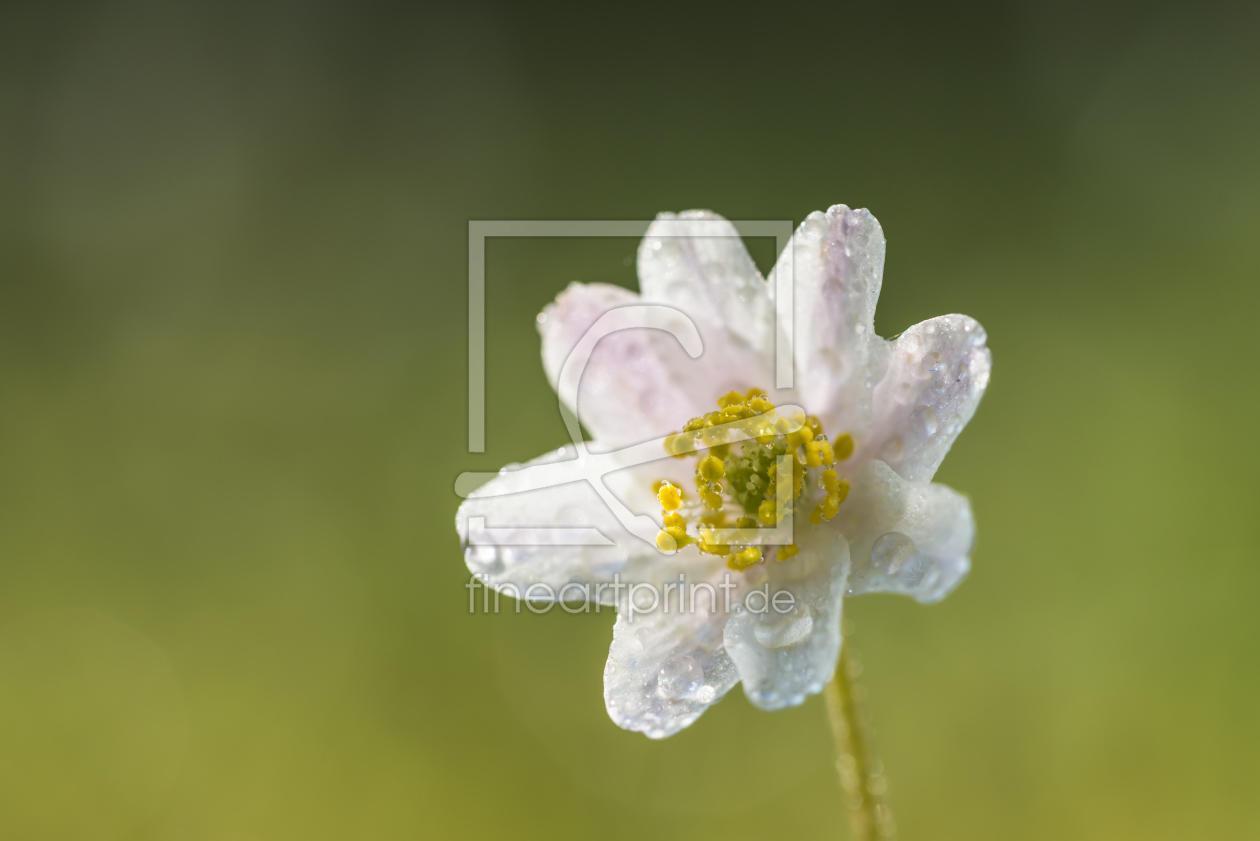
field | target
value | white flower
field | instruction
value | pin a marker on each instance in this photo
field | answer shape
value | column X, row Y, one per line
column 901, row 402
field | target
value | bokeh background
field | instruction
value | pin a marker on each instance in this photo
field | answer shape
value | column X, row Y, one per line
column 233, row 265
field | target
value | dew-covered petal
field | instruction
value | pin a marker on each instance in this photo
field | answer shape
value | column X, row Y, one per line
column 665, row 668
column 937, row 373
column 500, row 525
column 636, row 385
column 786, row 648
column 836, row 261
column 906, row 537
column 696, row 262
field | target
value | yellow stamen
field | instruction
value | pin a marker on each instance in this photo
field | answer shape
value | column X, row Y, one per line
column 768, row 512
column 788, row 551
column 746, row 558
column 744, row 474
column 843, row 447
column 830, row 481
column 711, row 468
column 670, row 496
column 706, row 546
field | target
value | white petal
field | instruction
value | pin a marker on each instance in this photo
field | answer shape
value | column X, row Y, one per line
column 665, row 669
column 937, row 373
column 837, row 264
column 635, row 385
column 506, row 558
column 906, row 537
column 697, row 263
column 785, row 655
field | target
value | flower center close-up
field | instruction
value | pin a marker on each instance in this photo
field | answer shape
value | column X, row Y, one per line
column 738, row 481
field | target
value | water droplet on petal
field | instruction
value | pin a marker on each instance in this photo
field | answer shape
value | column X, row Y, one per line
column 930, row 361
column 923, row 422
column 706, row 694
column 891, row 551
column 679, row 677
column 485, row 558
column 782, row 631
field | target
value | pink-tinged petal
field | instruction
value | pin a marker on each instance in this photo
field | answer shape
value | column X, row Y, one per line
column 836, row 261
column 637, row 384
column 912, row 538
column 665, row 668
column 937, row 373
column 788, row 650
column 696, row 262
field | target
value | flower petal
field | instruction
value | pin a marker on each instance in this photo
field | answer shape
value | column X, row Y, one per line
column 937, row 373
column 666, row 668
column 696, row 262
column 635, row 385
column 906, row 537
column 836, row 260
column 787, row 653
column 508, row 557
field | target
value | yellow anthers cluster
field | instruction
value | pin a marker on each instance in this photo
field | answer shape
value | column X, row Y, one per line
column 830, row 481
column 743, row 474
column 788, row 551
column 674, row 536
column 708, row 546
column 836, row 490
column 745, row 558
column 760, row 405
column 801, row 437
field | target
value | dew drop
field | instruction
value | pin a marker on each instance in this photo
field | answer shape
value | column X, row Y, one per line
column 542, row 318
column 706, row 694
column 485, row 558
column 679, row 677
column 782, row 631
column 930, row 361
column 892, row 550
column 923, row 421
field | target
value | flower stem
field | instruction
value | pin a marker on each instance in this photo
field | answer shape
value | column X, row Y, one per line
column 861, row 774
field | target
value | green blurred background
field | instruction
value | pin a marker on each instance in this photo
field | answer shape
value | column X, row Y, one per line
column 233, row 262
